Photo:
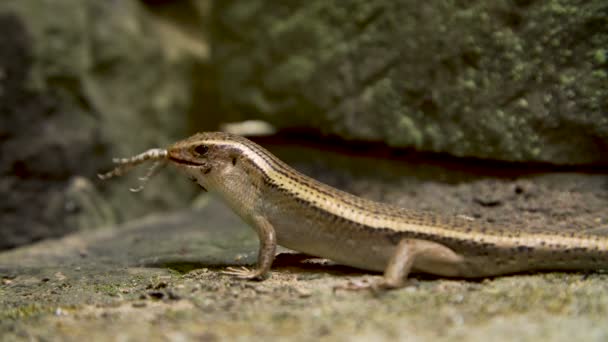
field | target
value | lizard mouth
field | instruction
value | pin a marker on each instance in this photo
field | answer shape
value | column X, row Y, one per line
column 184, row 161
column 175, row 157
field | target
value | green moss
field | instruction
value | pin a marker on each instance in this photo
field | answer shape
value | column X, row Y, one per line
column 376, row 71
column 294, row 71
column 600, row 56
column 108, row 289
column 566, row 79
column 183, row 267
column 469, row 84
column 25, row 312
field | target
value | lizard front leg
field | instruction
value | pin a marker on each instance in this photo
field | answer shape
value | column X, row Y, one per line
column 266, row 253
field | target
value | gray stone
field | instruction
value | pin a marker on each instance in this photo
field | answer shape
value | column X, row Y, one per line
column 158, row 278
column 505, row 80
column 81, row 82
column 209, row 237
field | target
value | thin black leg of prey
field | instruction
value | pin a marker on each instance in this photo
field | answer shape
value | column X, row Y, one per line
column 266, row 253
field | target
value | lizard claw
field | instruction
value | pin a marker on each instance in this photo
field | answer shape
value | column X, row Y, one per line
column 366, row 285
column 243, row 273
column 354, row 285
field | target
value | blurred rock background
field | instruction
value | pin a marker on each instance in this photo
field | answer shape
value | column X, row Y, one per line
column 82, row 81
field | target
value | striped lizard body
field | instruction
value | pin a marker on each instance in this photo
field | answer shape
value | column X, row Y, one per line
column 288, row 208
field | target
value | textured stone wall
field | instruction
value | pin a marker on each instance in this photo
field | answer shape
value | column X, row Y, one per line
column 506, row 80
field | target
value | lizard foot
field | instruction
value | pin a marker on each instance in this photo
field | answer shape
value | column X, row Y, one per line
column 366, row 285
column 244, row 273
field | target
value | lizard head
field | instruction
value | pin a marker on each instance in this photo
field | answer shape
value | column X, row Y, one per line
column 216, row 160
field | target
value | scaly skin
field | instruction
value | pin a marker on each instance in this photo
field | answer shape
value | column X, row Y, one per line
column 288, row 208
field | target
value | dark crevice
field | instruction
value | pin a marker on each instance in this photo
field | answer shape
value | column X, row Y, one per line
column 305, row 137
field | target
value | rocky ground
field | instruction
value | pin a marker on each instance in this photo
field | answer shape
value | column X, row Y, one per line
column 159, row 278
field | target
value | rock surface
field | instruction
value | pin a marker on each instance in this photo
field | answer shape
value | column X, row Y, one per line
column 81, row 82
column 504, row 80
column 158, row 278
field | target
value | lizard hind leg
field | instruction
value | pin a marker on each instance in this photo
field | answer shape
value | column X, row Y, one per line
column 413, row 254
column 420, row 255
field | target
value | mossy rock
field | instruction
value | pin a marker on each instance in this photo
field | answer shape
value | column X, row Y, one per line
column 505, row 80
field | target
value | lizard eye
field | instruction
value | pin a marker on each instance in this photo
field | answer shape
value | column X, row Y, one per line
column 201, row 149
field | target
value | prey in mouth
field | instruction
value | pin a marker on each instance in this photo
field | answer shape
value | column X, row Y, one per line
column 157, row 155
column 160, row 158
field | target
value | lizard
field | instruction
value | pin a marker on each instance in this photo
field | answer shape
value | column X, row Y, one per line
column 288, row 208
